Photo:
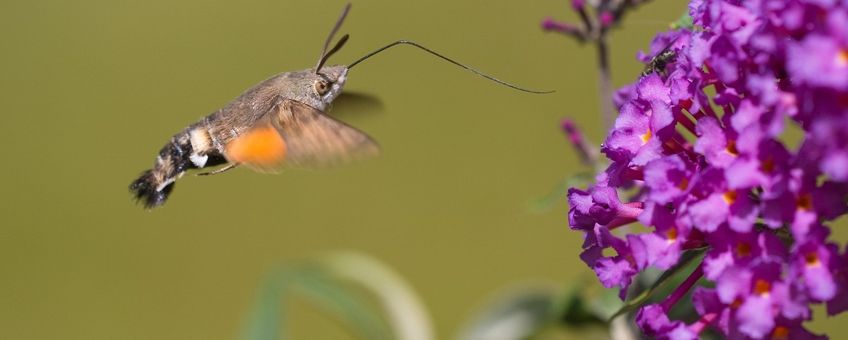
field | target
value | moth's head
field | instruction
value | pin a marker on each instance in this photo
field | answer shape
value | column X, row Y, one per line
column 314, row 89
column 329, row 83
column 319, row 86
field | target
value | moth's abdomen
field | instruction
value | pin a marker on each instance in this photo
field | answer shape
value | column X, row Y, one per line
column 191, row 148
column 147, row 191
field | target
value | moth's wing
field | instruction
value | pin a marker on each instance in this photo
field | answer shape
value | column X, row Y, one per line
column 246, row 111
column 294, row 134
column 260, row 147
column 316, row 140
column 356, row 103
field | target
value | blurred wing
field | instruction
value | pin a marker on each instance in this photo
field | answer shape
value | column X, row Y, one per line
column 356, row 103
column 317, row 140
column 296, row 135
column 260, row 147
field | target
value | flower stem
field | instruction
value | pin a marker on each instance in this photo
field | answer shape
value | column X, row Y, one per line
column 605, row 82
column 684, row 287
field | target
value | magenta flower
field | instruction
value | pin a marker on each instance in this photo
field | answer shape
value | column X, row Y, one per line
column 699, row 151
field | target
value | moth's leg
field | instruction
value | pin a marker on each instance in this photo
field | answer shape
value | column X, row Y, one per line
column 221, row 170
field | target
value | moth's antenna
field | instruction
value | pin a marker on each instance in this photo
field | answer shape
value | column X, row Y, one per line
column 333, row 50
column 324, row 54
column 409, row 42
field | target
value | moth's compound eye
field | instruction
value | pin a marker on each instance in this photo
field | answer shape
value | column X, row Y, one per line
column 321, row 87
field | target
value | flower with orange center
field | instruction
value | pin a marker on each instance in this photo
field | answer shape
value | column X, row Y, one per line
column 805, row 202
column 842, row 58
column 645, row 137
column 762, row 287
column 731, row 148
column 684, row 183
column 729, row 197
column 671, row 235
column 736, row 303
column 768, row 165
column 743, row 249
column 780, row 333
column 812, row 259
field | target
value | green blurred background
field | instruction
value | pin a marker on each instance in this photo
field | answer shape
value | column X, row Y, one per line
column 92, row 90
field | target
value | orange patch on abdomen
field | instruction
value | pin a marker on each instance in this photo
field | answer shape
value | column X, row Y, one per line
column 261, row 147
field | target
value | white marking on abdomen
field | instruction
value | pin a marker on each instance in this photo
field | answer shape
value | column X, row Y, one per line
column 198, row 160
column 200, row 144
column 199, row 138
column 164, row 184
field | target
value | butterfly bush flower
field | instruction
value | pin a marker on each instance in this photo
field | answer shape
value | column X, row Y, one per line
column 699, row 155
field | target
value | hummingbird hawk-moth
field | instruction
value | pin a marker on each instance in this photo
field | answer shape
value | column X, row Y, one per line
column 278, row 122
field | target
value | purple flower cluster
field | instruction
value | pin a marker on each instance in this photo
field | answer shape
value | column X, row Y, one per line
column 701, row 151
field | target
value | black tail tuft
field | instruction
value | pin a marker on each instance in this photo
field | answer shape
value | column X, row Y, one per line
column 144, row 190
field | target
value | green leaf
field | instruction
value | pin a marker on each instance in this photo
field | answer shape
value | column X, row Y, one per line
column 268, row 320
column 606, row 304
column 356, row 289
column 403, row 309
column 341, row 301
column 639, row 300
column 578, row 311
column 684, row 22
column 264, row 322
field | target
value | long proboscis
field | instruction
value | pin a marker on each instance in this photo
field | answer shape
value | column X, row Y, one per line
column 471, row 69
